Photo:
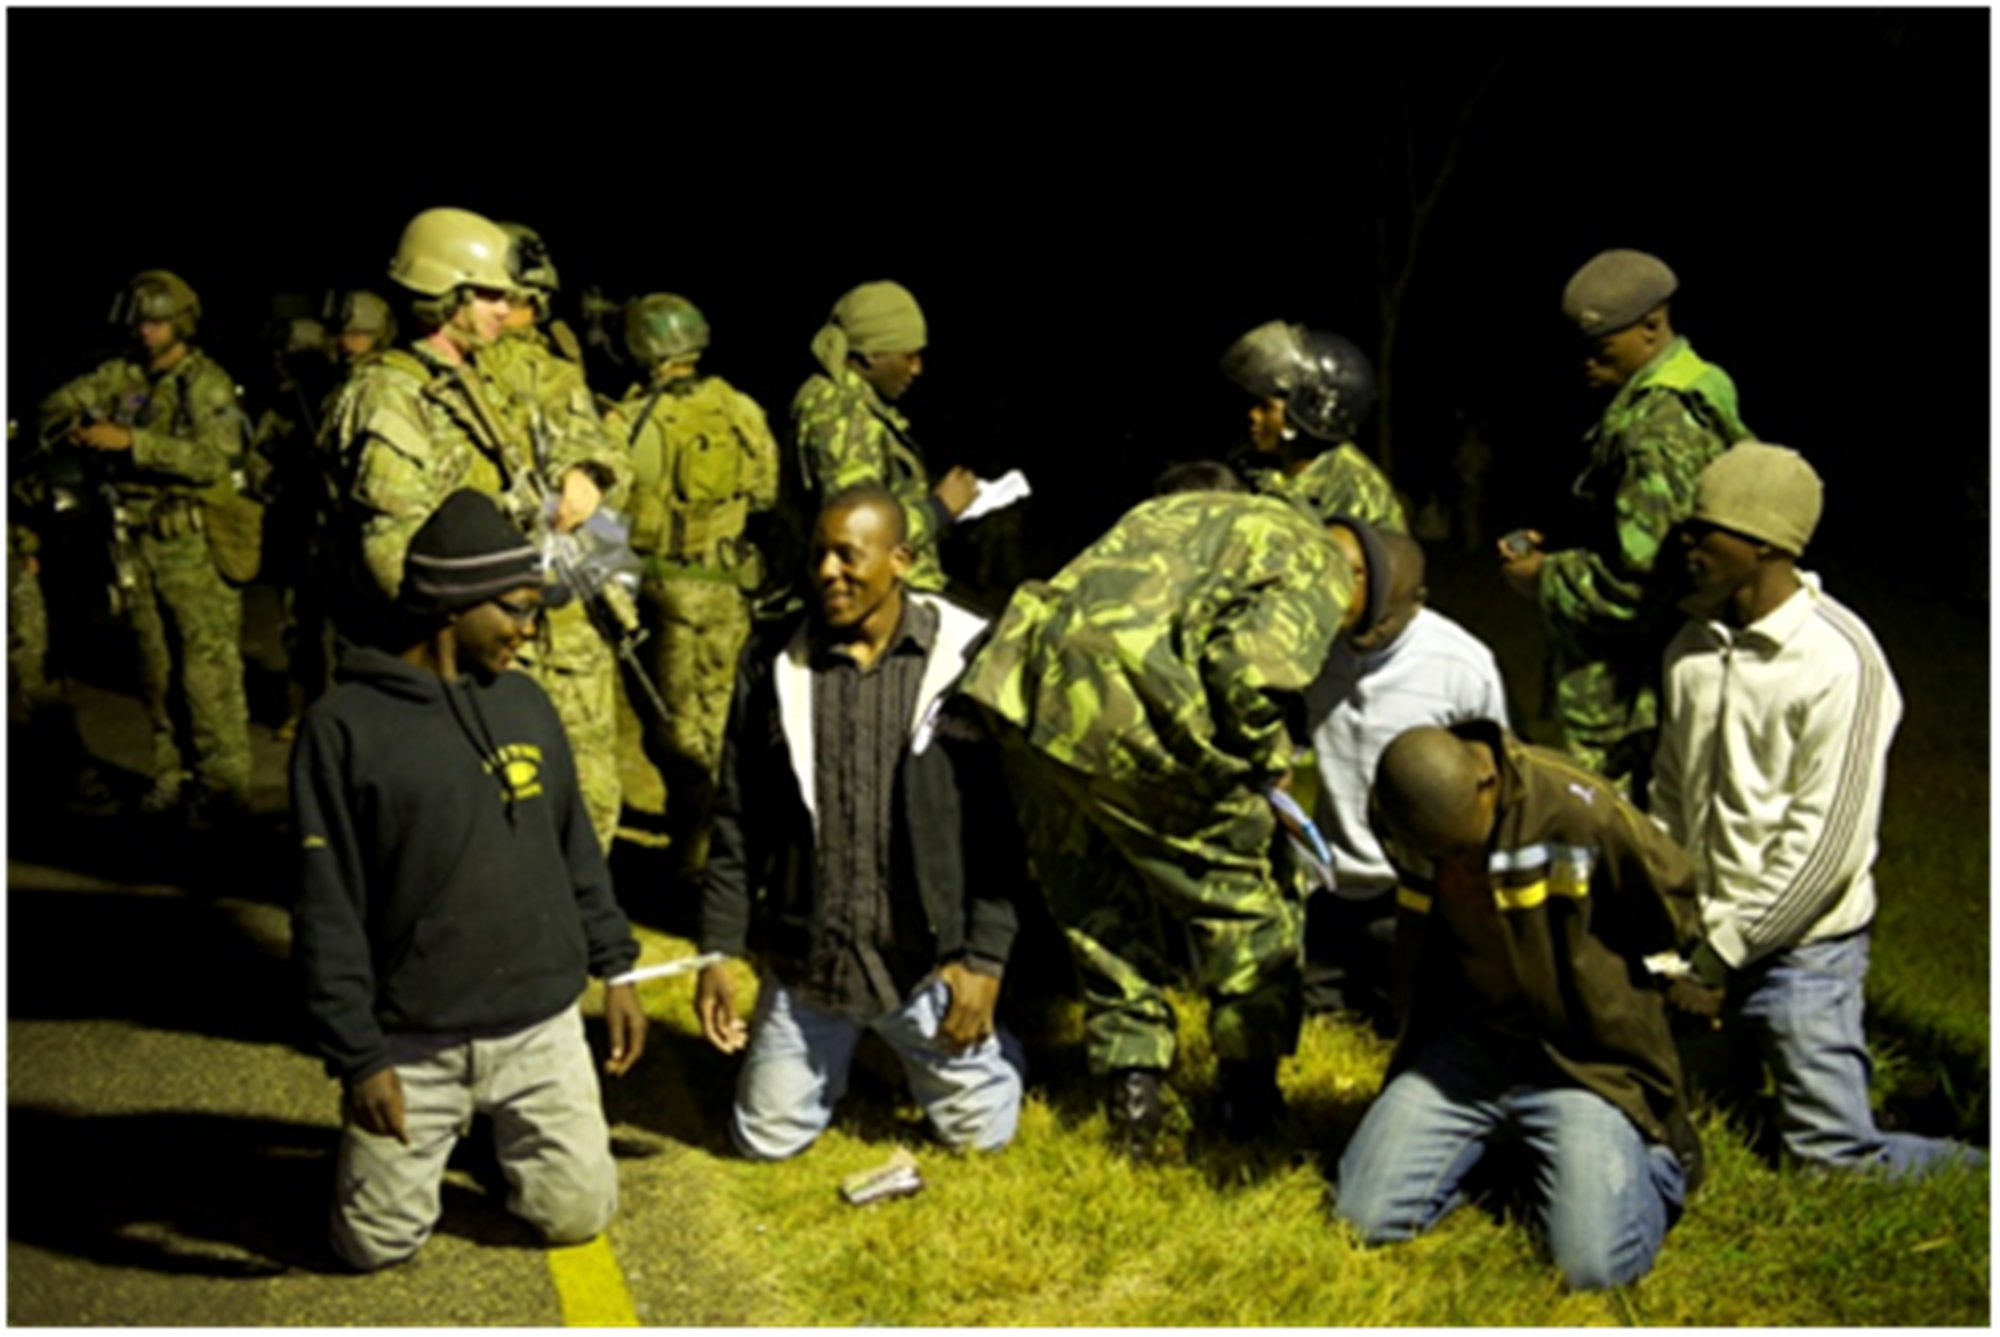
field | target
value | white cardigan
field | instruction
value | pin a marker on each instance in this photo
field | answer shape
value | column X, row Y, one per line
column 1770, row 771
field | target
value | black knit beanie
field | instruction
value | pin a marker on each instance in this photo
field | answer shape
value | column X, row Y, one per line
column 466, row 553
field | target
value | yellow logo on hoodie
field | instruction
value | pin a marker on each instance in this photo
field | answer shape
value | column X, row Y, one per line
column 519, row 766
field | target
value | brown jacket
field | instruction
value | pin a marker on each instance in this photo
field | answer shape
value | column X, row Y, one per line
column 1585, row 887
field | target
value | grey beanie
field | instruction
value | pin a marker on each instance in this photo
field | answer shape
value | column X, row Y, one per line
column 466, row 553
column 1615, row 289
column 1763, row 492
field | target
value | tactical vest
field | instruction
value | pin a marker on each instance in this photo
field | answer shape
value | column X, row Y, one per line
column 691, row 477
column 486, row 472
column 171, row 508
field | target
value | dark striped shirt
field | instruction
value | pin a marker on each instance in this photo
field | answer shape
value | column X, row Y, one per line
column 859, row 963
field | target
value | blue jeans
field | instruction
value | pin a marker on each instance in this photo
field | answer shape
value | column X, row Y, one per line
column 1604, row 1194
column 1804, row 1007
column 796, row 1072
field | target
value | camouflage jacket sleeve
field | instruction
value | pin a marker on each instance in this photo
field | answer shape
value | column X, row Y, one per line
column 578, row 436
column 842, row 442
column 204, row 438
column 1341, row 481
column 93, row 393
column 391, row 459
column 1661, row 451
column 1272, row 641
column 198, row 443
column 760, row 463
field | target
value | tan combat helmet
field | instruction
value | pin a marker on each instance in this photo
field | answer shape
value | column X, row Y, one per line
column 534, row 271
column 364, row 312
column 445, row 249
column 158, row 294
column 664, row 327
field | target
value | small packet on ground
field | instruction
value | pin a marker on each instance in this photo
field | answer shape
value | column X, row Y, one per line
column 896, row 1178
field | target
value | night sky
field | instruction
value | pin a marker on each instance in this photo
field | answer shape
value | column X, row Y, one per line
column 1090, row 204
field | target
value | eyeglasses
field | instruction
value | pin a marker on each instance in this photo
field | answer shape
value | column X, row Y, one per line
column 522, row 614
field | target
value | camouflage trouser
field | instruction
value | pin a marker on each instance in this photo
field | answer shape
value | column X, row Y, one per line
column 579, row 672
column 1606, row 710
column 189, row 625
column 1141, row 881
column 695, row 633
column 27, row 628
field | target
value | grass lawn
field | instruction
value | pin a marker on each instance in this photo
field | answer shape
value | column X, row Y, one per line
column 1058, row 1231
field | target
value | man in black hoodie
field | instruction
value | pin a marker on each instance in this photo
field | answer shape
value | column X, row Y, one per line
column 453, row 902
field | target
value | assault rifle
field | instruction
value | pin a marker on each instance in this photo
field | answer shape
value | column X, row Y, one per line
column 75, row 484
column 594, row 563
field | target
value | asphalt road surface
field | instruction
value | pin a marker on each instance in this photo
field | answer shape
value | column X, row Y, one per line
column 169, row 1140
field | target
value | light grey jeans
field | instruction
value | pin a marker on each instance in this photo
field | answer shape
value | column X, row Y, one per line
column 540, row 1089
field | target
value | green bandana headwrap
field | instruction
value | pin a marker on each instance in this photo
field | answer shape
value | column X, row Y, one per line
column 878, row 317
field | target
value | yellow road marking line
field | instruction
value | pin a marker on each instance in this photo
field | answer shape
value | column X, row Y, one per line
column 591, row 1286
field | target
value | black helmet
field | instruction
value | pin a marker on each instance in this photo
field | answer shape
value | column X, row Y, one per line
column 1326, row 382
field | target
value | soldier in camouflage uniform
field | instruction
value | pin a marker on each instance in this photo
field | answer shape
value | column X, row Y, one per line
column 287, row 472
column 1312, row 390
column 27, row 616
column 1141, row 698
column 1608, row 620
column 570, row 658
column 365, row 327
column 171, row 431
column 419, row 422
column 704, row 463
column 846, row 430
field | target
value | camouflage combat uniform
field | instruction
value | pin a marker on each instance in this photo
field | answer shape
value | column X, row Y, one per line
column 571, row 658
column 703, row 462
column 188, row 438
column 408, row 430
column 1339, row 481
column 1608, row 620
column 845, row 434
column 1138, row 695
column 27, row 621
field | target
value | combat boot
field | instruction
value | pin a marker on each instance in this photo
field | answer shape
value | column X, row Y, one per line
column 1136, row 1111
column 218, row 812
column 166, row 795
column 1249, row 1102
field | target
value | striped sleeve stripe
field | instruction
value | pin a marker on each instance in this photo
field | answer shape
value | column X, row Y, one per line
column 1817, row 884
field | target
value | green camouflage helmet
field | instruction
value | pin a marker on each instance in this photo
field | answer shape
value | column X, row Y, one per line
column 533, row 269
column 158, row 294
column 664, row 327
column 444, row 249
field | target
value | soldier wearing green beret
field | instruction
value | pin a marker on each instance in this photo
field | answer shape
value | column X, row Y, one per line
column 704, row 464
column 1312, row 391
column 846, row 429
column 1141, row 697
column 170, row 431
column 421, row 421
column 1669, row 415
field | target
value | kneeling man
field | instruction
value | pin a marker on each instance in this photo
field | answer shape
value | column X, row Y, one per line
column 453, row 903
column 866, row 804
column 1529, row 897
